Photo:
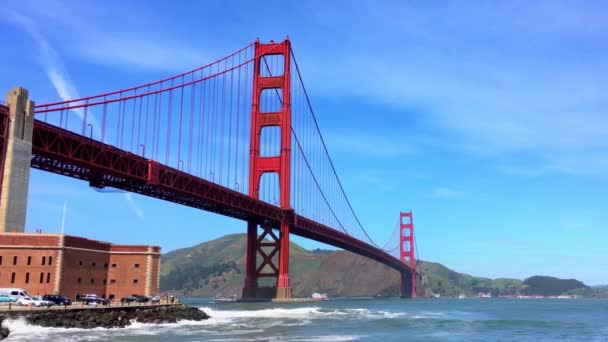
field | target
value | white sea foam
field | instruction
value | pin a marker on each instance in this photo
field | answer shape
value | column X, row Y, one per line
column 223, row 323
column 329, row 338
column 326, row 338
column 306, row 313
column 21, row 330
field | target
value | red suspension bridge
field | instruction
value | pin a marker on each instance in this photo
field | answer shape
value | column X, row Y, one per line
column 237, row 137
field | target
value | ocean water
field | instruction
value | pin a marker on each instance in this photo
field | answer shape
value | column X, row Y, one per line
column 363, row 319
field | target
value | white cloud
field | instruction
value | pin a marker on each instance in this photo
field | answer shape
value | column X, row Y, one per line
column 369, row 145
column 495, row 87
column 48, row 57
column 59, row 77
column 63, row 87
column 130, row 41
column 446, row 193
column 136, row 209
column 50, row 61
column 131, row 52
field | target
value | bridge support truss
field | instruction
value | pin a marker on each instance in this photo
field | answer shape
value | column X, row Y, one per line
column 278, row 164
column 407, row 254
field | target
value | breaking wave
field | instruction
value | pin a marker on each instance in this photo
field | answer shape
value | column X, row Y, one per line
column 301, row 313
column 237, row 325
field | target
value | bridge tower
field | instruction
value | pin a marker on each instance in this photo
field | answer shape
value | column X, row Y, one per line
column 17, row 124
column 407, row 254
column 280, row 165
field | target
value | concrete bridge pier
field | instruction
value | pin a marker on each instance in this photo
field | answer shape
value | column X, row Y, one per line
column 16, row 155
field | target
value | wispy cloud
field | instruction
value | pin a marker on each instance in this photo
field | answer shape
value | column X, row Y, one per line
column 133, row 52
column 136, row 209
column 129, row 42
column 369, row 145
column 446, row 193
column 532, row 93
column 47, row 56
column 51, row 62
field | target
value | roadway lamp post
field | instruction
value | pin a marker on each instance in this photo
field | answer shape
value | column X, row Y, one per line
column 91, row 134
column 143, row 150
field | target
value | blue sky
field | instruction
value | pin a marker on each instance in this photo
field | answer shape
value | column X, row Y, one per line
column 487, row 119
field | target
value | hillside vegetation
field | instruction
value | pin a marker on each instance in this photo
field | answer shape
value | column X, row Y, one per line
column 217, row 267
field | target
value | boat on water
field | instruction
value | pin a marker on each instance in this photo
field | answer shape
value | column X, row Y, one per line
column 461, row 296
column 220, row 298
column 319, row 296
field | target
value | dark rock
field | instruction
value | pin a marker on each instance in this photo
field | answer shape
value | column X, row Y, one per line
column 115, row 318
column 4, row 332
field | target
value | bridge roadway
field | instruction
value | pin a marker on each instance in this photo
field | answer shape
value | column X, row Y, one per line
column 66, row 153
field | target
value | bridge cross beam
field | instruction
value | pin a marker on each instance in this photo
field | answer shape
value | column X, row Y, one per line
column 279, row 164
column 267, row 255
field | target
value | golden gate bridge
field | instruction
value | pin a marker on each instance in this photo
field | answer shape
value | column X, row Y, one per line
column 237, row 137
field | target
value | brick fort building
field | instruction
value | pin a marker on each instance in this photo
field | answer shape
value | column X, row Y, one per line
column 73, row 266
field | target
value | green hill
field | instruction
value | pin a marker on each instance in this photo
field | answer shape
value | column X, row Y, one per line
column 218, row 266
column 550, row 286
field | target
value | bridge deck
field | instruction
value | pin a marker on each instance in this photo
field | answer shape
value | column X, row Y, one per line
column 63, row 152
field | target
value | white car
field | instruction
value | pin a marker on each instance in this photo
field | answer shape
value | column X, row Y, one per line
column 42, row 302
column 26, row 301
column 31, row 301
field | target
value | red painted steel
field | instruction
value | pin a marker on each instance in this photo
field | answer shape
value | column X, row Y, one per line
column 266, row 263
column 66, row 153
column 63, row 152
column 258, row 164
column 71, row 154
column 406, row 248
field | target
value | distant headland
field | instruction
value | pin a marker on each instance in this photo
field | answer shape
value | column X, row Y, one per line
column 217, row 268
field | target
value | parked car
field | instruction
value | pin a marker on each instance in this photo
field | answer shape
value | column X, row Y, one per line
column 129, row 299
column 58, row 299
column 154, row 300
column 141, row 299
column 31, row 301
column 16, row 293
column 42, row 302
column 93, row 299
column 6, row 299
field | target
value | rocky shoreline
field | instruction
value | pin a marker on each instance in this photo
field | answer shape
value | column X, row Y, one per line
column 4, row 332
column 107, row 317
